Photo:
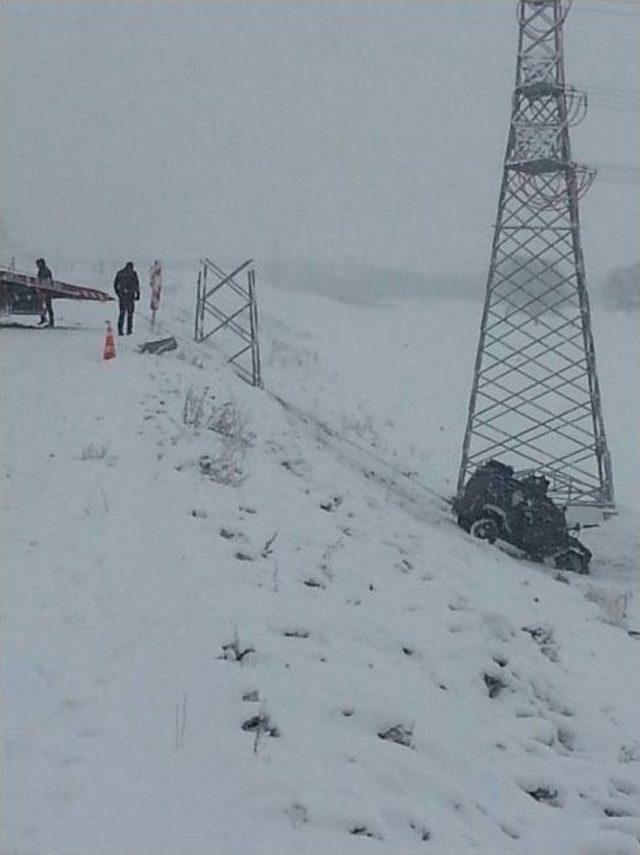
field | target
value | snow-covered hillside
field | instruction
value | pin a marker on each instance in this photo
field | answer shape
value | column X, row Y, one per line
column 233, row 626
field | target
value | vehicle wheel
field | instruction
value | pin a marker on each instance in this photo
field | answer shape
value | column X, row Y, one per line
column 485, row 529
column 573, row 562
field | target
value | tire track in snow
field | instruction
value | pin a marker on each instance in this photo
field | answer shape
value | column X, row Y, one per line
column 411, row 494
column 362, row 459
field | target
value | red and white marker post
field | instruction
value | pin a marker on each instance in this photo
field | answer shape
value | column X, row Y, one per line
column 155, row 283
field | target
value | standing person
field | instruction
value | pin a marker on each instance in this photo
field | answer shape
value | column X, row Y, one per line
column 155, row 283
column 46, row 304
column 127, row 287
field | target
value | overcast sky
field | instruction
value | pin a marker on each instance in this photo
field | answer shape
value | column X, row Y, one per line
column 341, row 130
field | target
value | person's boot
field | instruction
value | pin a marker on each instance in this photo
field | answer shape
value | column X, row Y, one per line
column 42, row 320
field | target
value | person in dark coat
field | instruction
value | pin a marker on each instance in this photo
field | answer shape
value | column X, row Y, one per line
column 127, row 287
column 44, row 276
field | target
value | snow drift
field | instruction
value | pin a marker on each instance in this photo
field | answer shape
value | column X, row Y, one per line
column 236, row 626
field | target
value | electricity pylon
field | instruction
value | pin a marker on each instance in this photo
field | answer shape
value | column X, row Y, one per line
column 535, row 401
column 232, row 309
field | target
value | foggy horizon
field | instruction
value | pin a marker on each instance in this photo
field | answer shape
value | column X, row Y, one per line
column 340, row 132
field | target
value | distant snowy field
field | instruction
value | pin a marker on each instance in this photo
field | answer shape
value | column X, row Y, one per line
column 227, row 630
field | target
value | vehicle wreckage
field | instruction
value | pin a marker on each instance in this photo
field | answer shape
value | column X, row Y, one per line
column 497, row 505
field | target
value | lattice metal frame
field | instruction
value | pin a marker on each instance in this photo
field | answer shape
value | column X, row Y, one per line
column 535, row 400
column 233, row 309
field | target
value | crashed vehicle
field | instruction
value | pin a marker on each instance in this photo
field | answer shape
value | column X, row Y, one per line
column 496, row 505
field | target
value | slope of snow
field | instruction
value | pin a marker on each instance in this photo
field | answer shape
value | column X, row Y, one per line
column 185, row 557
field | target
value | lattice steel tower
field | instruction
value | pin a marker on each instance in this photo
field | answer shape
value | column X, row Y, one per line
column 535, row 401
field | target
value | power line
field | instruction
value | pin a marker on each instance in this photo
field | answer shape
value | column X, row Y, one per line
column 613, row 104
column 615, row 91
column 610, row 14
column 615, row 99
column 612, row 98
column 625, row 8
column 618, row 173
column 629, row 3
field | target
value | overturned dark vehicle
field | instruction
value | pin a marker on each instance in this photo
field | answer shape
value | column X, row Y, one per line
column 495, row 505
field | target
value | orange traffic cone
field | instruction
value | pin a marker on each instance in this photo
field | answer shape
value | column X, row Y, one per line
column 109, row 344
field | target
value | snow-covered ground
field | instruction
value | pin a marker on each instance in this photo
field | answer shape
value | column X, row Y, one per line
column 232, row 626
